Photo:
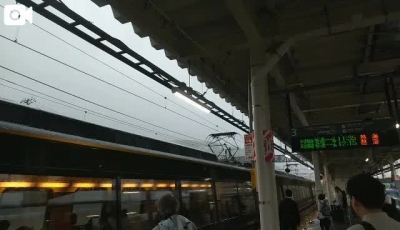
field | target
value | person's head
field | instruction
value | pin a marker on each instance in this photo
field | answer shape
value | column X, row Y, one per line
column 168, row 205
column 367, row 194
column 288, row 193
column 337, row 189
column 4, row 224
column 321, row 197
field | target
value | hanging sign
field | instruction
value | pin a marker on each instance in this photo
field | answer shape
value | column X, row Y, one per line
column 248, row 148
column 268, row 143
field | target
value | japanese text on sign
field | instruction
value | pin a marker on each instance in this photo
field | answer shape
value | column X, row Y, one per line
column 268, row 142
column 332, row 142
column 248, row 147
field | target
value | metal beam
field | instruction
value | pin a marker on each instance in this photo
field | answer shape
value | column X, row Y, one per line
column 337, row 27
column 326, row 116
column 246, row 20
column 280, row 81
column 342, row 72
column 331, row 84
column 344, row 101
column 152, row 71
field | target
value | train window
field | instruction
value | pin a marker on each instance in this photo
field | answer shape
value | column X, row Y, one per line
column 227, row 200
column 52, row 203
column 247, row 198
column 139, row 200
column 198, row 202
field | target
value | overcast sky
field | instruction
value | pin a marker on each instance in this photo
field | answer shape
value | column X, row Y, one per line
column 134, row 104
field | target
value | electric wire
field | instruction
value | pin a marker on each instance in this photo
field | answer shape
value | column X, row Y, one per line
column 123, row 74
column 190, row 111
column 97, row 104
column 77, row 107
column 105, row 82
column 48, row 32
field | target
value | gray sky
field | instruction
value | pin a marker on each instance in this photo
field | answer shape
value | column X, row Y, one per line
column 143, row 113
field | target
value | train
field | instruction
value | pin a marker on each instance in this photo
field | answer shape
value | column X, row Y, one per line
column 57, row 173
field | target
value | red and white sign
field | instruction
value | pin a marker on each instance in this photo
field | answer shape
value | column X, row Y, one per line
column 248, row 147
column 268, row 142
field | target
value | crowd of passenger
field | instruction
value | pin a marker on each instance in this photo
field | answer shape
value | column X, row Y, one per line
column 368, row 202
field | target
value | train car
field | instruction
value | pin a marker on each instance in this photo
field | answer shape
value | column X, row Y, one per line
column 51, row 179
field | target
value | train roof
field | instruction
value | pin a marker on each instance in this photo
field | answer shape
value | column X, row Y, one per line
column 24, row 121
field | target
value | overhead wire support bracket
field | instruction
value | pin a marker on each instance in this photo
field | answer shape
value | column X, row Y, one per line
column 155, row 73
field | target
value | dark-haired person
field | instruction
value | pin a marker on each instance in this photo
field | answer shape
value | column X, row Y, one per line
column 341, row 202
column 367, row 197
column 289, row 215
column 324, row 213
column 168, row 206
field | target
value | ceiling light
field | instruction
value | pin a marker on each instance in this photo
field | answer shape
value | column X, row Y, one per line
column 366, row 160
column 287, row 156
column 176, row 93
column 397, row 125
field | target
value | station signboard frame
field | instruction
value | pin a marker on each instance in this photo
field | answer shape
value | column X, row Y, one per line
column 347, row 135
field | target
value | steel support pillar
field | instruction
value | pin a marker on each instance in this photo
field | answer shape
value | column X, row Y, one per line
column 250, row 103
column 327, row 183
column 266, row 182
column 392, row 171
column 317, row 173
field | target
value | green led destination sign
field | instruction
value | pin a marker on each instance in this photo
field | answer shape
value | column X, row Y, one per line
column 373, row 133
column 345, row 141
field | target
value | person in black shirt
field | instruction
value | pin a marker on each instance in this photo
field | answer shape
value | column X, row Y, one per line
column 289, row 215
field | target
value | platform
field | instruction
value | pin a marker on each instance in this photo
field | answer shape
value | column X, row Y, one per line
column 314, row 225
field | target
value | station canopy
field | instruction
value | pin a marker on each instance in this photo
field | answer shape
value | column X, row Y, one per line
column 335, row 71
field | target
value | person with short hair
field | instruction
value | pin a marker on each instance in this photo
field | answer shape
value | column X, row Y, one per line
column 341, row 203
column 324, row 213
column 367, row 196
column 289, row 214
column 168, row 207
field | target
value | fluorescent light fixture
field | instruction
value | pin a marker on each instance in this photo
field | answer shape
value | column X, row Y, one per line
column 287, row 156
column 366, row 160
column 397, row 125
column 53, row 185
column 176, row 93
column 91, row 216
column 131, row 192
column 83, row 185
column 18, row 184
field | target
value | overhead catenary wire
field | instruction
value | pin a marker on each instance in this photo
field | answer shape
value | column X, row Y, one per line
column 77, row 107
column 130, row 78
column 123, row 74
column 97, row 104
column 105, row 82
